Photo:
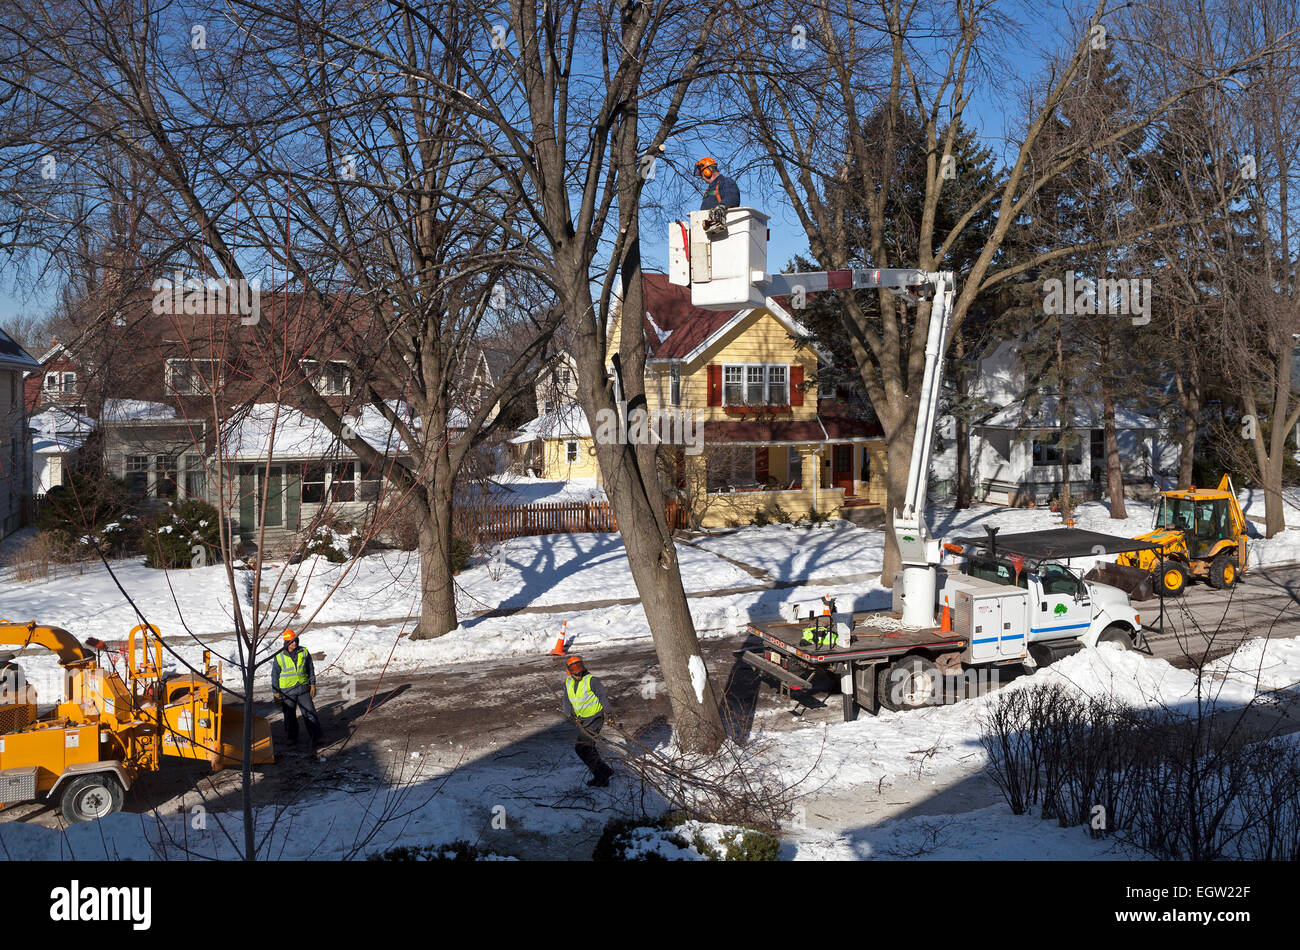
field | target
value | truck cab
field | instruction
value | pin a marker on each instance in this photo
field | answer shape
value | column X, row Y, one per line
column 1062, row 611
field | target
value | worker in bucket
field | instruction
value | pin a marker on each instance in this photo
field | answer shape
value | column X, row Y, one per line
column 720, row 194
column 293, row 681
column 584, row 706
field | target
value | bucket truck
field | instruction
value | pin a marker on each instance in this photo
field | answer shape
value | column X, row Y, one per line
column 1018, row 603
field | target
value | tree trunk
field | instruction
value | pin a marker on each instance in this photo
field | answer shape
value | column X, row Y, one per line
column 437, row 586
column 961, row 428
column 1063, row 413
column 1114, row 471
column 1189, row 397
column 898, row 458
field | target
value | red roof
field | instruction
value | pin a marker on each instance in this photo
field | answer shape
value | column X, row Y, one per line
column 686, row 326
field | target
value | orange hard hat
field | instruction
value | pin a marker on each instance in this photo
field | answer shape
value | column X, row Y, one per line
column 575, row 663
column 705, row 163
column 289, row 635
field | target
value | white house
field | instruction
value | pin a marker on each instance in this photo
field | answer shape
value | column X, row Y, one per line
column 1014, row 450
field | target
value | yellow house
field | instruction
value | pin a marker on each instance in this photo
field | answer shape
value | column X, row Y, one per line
column 732, row 382
column 558, row 444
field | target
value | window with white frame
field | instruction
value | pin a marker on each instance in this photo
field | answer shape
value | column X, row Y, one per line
column 675, row 384
column 329, row 379
column 194, row 377
column 196, row 477
column 571, row 452
column 136, row 474
column 755, row 384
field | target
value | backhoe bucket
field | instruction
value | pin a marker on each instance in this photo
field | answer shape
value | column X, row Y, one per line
column 1138, row 583
column 229, row 751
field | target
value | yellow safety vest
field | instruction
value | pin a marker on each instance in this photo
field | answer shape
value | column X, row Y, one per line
column 582, row 697
column 293, row 669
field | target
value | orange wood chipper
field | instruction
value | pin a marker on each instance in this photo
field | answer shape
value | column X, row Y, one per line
column 112, row 725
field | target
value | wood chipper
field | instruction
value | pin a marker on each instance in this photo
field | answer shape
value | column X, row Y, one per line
column 86, row 751
column 1201, row 532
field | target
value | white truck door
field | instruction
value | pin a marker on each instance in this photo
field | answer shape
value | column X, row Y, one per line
column 1062, row 608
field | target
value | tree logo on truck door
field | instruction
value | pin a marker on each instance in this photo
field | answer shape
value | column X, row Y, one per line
column 1060, row 609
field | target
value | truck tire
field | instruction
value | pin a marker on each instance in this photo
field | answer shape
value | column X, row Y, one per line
column 1172, row 580
column 903, row 685
column 1223, row 572
column 1118, row 635
column 88, row 797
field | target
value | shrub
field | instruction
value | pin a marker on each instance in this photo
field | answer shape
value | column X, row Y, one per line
column 399, row 523
column 335, row 544
column 455, row 851
column 82, row 507
column 622, row 837
column 187, row 535
column 461, row 553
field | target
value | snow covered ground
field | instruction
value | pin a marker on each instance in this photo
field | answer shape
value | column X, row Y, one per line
column 360, row 629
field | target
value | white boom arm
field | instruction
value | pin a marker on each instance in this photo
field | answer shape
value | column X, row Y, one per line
column 730, row 272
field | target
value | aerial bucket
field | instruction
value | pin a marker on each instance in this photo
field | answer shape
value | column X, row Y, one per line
column 1138, row 583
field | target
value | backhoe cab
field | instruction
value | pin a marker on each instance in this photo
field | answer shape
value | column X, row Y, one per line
column 121, row 715
column 1203, row 534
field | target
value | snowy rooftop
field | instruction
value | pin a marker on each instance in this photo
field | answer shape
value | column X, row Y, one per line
column 280, row 432
column 1087, row 415
column 567, row 422
column 136, row 410
column 60, row 421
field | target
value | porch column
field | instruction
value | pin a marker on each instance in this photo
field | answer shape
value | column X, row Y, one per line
column 811, row 462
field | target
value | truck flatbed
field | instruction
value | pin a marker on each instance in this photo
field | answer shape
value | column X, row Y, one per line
column 867, row 643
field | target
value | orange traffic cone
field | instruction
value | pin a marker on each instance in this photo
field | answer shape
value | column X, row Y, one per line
column 558, row 649
column 945, row 620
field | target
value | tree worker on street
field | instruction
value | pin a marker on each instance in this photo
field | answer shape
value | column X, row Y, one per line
column 720, row 194
column 584, row 706
column 293, row 682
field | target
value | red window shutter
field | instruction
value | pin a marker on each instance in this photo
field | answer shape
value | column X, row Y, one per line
column 796, row 378
column 715, row 384
column 760, row 464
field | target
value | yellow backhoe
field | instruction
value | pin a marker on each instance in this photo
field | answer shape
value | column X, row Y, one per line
column 86, row 751
column 1202, row 533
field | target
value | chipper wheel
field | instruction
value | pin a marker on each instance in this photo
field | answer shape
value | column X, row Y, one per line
column 1223, row 572
column 1172, row 579
column 92, row 796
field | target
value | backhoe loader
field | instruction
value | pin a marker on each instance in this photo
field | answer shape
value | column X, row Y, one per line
column 1202, row 533
column 113, row 724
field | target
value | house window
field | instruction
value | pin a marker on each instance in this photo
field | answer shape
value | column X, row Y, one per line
column 194, row 377
column 196, row 477
column 165, row 473
column 136, row 474
column 571, row 452
column 343, row 481
column 328, row 379
column 1098, row 444
column 372, row 483
column 69, row 382
column 794, row 468
column 51, row 382
column 733, row 393
column 313, row 483
column 730, row 466
column 778, row 390
column 1047, row 452
column 675, row 384
column 755, row 384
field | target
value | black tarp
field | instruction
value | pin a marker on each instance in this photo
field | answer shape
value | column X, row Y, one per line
column 1063, row 543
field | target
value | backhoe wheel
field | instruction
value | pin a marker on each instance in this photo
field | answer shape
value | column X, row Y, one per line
column 1172, row 579
column 92, row 796
column 914, row 682
column 1223, row 572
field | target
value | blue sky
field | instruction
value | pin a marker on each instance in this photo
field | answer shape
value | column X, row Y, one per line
column 992, row 111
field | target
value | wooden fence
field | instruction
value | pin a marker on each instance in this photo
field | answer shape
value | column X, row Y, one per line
column 499, row 522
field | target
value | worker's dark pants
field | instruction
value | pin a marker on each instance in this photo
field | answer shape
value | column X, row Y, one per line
column 290, row 706
column 585, row 746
